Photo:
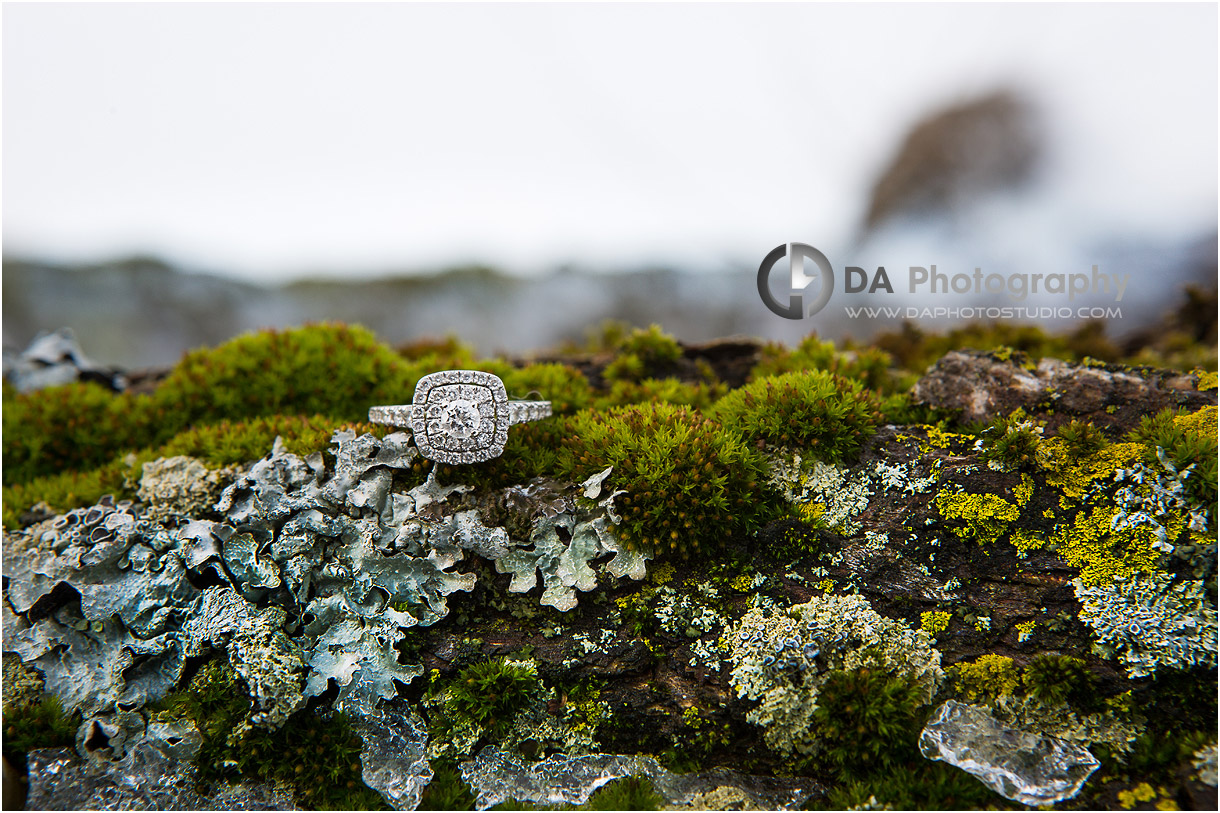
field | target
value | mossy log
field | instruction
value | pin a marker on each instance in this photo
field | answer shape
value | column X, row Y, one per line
column 971, row 513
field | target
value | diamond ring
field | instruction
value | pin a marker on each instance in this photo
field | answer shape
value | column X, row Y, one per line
column 460, row 416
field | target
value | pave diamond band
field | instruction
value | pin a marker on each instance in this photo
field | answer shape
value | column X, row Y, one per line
column 460, row 416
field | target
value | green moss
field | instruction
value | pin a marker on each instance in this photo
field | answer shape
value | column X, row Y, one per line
column 628, row 793
column 689, row 482
column 1187, row 439
column 984, row 679
column 219, row 444
column 319, row 758
column 76, row 426
column 981, row 517
column 566, row 388
column 901, row 409
column 1060, row 679
column 41, row 724
column 491, row 693
column 230, row 442
column 1014, row 440
column 922, row 785
column 654, row 347
column 533, row 449
column 827, row 415
column 642, row 354
column 869, row 365
column 218, row 704
column 325, row 369
column 666, row 391
column 446, row 791
column 625, row 367
column 446, row 353
column 330, row 370
column 916, row 350
column 1082, row 438
column 1156, row 756
column 795, row 538
column 867, row 719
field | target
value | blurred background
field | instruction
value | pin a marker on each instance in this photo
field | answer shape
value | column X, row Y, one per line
column 175, row 174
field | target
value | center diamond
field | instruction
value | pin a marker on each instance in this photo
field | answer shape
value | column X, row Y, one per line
column 460, row 419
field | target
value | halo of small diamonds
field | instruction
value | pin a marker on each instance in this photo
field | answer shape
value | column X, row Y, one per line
column 460, row 416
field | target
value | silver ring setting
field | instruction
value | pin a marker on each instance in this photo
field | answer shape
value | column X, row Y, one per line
column 460, row 416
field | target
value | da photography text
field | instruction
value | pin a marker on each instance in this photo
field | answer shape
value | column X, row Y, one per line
column 806, row 299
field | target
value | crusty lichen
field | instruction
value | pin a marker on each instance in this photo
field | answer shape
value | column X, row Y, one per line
column 180, row 486
column 781, row 658
column 983, row 517
column 831, row 495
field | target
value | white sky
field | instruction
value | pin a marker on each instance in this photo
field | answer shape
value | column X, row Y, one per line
column 269, row 140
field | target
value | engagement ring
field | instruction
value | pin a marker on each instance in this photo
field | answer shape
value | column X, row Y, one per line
column 460, row 416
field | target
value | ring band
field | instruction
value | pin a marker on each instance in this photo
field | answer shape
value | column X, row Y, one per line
column 460, row 416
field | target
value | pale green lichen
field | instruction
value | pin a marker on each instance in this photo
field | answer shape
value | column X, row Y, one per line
column 1025, row 631
column 842, row 493
column 901, row 477
column 1151, row 622
column 1204, row 763
column 267, row 660
column 180, row 486
column 781, row 658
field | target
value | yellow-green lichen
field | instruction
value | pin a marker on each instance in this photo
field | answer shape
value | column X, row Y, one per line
column 1201, row 421
column 985, row 678
column 934, row 621
column 940, row 439
column 743, row 583
column 1102, row 556
column 662, row 574
column 1141, row 793
column 1024, row 490
column 984, row 517
column 1025, row 541
column 811, row 512
column 1206, row 380
column 1025, row 630
column 1074, row 475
